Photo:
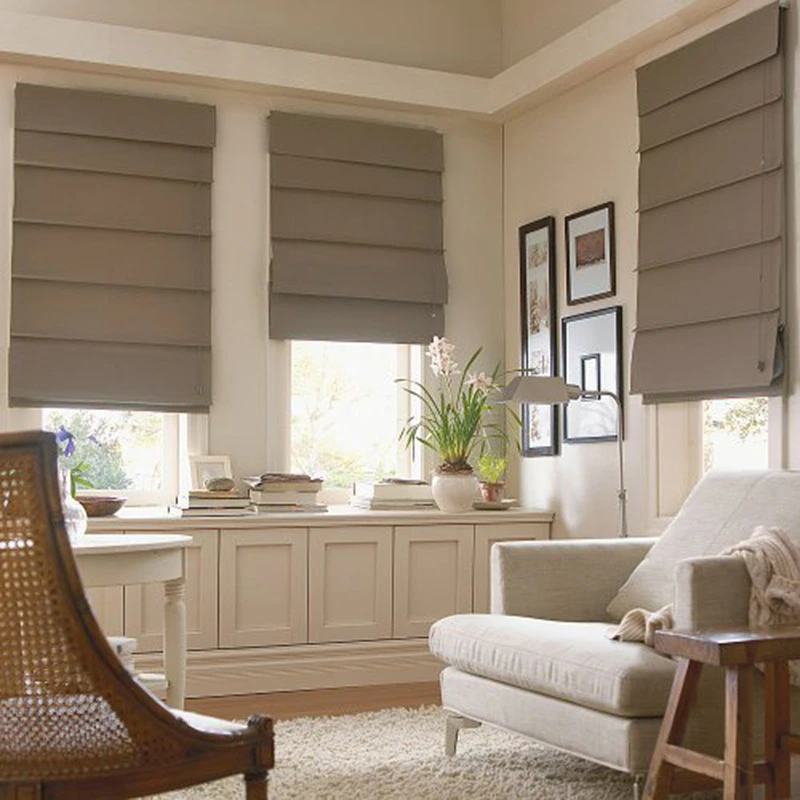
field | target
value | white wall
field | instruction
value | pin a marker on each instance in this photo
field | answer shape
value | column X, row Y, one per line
column 249, row 416
column 575, row 151
column 452, row 35
column 571, row 153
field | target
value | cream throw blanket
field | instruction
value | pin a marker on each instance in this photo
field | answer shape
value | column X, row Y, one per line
column 772, row 558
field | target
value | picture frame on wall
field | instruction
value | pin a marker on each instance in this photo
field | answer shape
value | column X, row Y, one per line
column 539, row 315
column 591, row 254
column 591, row 347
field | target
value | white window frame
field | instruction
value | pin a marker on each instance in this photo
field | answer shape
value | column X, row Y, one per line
column 410, row 360
column 675, row 447
column 183, row 434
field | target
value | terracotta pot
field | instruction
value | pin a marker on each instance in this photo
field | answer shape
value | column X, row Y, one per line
column 454, row 492
column 492, row 492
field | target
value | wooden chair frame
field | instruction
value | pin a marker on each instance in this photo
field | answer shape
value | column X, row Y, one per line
column 80, row 681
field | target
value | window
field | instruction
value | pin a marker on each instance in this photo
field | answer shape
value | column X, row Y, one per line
column 735, row 434
column 347, row 410
column 133, row 453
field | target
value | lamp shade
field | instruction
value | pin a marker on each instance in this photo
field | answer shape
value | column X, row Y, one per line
column 538, row 390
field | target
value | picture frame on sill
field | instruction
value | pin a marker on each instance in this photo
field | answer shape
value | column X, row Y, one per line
column 591, row 347
column 539, row 316
column 590, row 254
column 204, row 467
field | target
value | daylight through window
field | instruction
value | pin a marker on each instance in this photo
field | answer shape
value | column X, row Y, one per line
column 347, row 410
column 125, row 451
column 735, row 434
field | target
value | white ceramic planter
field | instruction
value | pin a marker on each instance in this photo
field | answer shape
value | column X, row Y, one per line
column 454, row 492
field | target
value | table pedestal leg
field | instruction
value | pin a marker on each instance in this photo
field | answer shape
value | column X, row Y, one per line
column 175, row 641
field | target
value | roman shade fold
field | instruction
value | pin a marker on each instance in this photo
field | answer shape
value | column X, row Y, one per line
column 111, row 264
column 356, row 230
column 710, row 288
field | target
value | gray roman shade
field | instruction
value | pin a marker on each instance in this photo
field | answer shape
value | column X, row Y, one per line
column 710, row 305
column 356, row 228
column 111, row 266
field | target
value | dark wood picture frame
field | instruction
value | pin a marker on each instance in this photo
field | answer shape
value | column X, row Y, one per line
column 611, row 255
column 549, row 311
column 590, row 354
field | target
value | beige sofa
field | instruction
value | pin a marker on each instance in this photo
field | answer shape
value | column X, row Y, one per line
column 541, row 663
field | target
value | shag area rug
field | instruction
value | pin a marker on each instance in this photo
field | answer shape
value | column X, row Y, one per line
column 399, row 755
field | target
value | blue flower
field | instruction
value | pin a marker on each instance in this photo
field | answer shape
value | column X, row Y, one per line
column 63, row 435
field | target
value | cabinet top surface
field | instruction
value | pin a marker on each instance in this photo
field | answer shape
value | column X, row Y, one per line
column 98, row 544
column 157, row 519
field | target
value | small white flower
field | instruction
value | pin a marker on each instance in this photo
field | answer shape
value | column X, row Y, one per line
column 481, row 381
column 440, row 352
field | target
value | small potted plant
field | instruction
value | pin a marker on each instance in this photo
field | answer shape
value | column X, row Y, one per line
column 458, row 422
column 491, row 469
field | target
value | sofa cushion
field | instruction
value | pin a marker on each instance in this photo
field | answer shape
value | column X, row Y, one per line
column 572, row 661
column 723, row 509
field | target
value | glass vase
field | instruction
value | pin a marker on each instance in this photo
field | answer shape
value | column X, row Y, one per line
column 75, row 519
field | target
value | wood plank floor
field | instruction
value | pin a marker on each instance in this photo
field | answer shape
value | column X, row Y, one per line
column 318, row 702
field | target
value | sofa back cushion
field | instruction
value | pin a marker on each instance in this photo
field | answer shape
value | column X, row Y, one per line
column 722, row 510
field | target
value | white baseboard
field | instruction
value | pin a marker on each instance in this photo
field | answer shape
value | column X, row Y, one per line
column 317, row 666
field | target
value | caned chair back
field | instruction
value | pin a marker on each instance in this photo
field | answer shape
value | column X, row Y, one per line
column 67, row 706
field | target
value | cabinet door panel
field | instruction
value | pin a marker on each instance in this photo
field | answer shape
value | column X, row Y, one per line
column 433, row 576
column 350, row 584
column 106, row 605
column 262, row 587
column 485, row 537
column 144, row 605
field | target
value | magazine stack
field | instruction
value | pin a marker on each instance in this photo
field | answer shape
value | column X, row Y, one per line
column 392, row 494
column 285, row 492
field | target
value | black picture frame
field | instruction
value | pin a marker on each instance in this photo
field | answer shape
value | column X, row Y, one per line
column 584, row 346
column 606, row 244
column 539, row 338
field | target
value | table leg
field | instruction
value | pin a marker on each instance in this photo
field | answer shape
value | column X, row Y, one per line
column 673, row 728
column 738, row 771
column 777, row 724
column 175, row 641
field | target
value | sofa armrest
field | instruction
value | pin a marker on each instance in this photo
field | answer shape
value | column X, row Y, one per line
column 711, row 592
column 564, row 580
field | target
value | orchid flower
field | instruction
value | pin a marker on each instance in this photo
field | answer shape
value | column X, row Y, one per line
column 481, row 381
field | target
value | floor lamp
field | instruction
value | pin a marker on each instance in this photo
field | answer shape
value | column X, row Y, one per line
column 540, row 390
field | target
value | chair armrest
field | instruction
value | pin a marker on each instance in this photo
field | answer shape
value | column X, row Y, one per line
column 711, row 592
column 564, row 580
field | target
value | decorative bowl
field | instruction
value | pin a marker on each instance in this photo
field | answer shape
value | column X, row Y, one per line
column 102, row 506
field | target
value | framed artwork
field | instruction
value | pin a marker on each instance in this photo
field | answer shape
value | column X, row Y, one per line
column 537, row 272
column 591, row 259
column 205, row 467
column 592, row 359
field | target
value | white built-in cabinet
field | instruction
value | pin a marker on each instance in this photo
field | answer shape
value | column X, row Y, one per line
column 277, row 596
column 432, row 575
column 263, row 584
column 349, row 584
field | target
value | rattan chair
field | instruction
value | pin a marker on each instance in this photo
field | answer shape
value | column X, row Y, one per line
column 73, row 722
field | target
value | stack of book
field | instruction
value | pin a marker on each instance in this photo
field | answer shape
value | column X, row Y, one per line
column 204, row 503
column 392, row 494
column 285, row 492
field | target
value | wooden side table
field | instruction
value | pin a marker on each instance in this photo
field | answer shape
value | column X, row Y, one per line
column 675, row 768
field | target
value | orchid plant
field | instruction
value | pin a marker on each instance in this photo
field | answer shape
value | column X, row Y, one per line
column 456, row 420
column 66, row 450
